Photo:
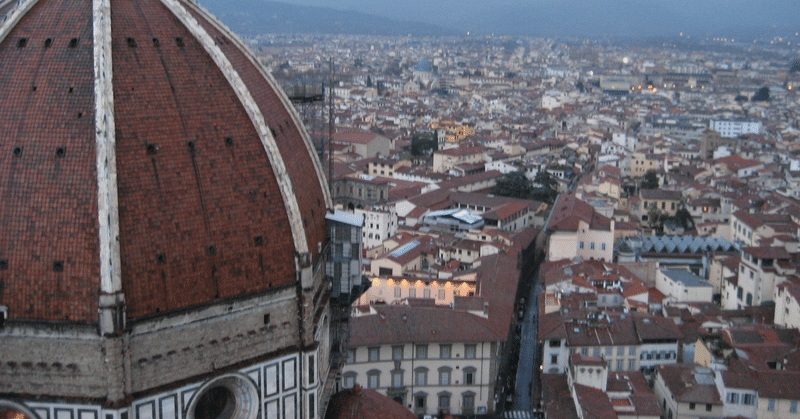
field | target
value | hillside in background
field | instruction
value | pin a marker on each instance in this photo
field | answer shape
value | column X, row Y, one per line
column 253, row 17
column 610, row 19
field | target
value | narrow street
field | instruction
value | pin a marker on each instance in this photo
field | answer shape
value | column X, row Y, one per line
column 527, row 369
column 528, row 374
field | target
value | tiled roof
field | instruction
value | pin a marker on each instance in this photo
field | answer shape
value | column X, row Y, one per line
column 400, row 324
column 689, row 383
column 779, row 384
column 497, row 276
column 660, row 194
column 633, row 288
column 767, row 252
column 505, row 211
column 358, row 137
column 755, row 221
column 570, row 211
column 737, row 162
column 623, row 330
column 364, row 403
column 557, row 398
column 462, row 151
column 594, row 402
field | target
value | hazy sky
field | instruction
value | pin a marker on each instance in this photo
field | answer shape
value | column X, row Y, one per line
column 586, row 17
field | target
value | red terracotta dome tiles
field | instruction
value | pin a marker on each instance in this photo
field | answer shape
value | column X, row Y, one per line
column 206, row 191
column 298, row 161
column 48, row 197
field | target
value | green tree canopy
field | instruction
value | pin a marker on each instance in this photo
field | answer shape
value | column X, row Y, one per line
column 424, row 145
column 762, row 95
column 514, row 185
column 547, row 188
column 684, row 217
column 544, row 195
column 656, row 218
column 545, row 180
column 650, row 180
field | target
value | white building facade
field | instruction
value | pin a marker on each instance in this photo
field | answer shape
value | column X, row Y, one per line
column 732, row 128
column 451, row 371
column 380, row 223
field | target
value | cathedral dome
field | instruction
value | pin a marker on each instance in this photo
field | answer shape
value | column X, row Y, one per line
column 424, row 66
column 145, row 158
column 363, row 403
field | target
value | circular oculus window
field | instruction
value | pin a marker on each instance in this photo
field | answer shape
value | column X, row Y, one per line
column 11, row 410
column 229, row 397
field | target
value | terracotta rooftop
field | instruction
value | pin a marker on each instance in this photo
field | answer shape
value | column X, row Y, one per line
column 736, row 162
column 660, row 194
column 364, row 403
column 359, row 137
column 689, row 383
column 498, row 277
column 594, row 403
column 202, row 175
column 570, row 211
column 557, row 398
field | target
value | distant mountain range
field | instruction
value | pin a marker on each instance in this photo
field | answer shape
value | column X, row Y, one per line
column 253, row 17
column 610, row 19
